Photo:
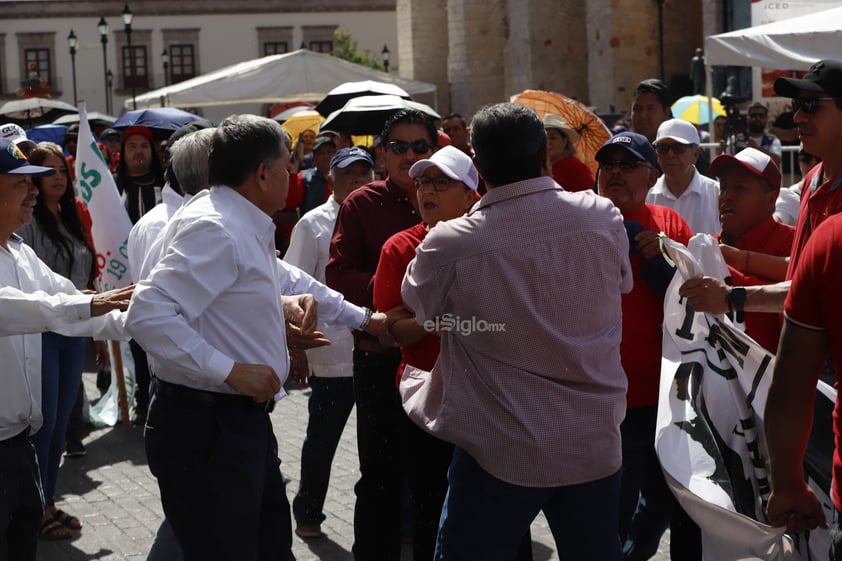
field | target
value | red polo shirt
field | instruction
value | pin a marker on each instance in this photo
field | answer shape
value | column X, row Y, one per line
column 814, row 302
column 816, row 206
column 643, row 312
column 572, row 174
column 397, row 252
column 773, row 238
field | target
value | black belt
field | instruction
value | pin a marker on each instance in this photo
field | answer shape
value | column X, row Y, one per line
column 372, row 346
column 17, row 440
column 176, row 391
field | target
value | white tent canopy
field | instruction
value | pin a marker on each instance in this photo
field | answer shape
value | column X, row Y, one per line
column 299, row 75
column 792, row 44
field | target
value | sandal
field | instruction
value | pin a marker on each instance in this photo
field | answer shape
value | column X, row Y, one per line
column 67, row 520
column 53, row 530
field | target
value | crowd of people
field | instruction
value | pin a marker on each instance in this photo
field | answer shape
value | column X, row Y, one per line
column 490, row 305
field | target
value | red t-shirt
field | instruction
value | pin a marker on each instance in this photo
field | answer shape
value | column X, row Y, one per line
column 814, row 302
column 397, row 252
column 816, row 207
column 572, row 174
column 643, row 312
column 773, row 238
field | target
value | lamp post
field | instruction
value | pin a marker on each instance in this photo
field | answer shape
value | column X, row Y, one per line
column 109, row 85
column 72, row 42
column 165, row 58
column 385, row 54
column 103, row 38
column 127, row 22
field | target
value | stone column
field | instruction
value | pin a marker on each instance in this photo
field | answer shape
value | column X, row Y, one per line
column 423, row 47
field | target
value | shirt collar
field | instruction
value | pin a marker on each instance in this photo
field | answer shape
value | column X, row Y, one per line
column 757, row 236
column 514, row 190
column 253, row 217
column 660, row 187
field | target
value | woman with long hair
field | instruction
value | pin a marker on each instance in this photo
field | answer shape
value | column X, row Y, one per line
column 58, row 236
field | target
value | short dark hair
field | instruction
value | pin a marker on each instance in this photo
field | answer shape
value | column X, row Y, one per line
column 410, row 117
column 240, row 144
column 658, row 88
column 509, row 142
column 456, row 116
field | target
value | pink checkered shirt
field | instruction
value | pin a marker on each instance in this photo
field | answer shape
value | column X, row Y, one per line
column 537, row 402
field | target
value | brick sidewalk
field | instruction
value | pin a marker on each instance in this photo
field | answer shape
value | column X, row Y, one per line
column 112, row 491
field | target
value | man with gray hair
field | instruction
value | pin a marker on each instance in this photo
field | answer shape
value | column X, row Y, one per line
column 533, row 406
column 209, row 314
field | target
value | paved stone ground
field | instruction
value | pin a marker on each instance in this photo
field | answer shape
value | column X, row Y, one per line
column 115, row 495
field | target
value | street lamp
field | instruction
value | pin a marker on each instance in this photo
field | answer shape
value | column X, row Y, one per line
column 385, row 54
column 103, row 38
column 109, row 85
column 165, row 58
column 127, row 22
column 72, row 42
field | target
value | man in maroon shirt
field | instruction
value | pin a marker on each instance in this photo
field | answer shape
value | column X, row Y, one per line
column 367, row 218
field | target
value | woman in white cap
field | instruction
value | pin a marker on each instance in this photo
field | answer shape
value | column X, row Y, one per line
column 447, row 187
column 568, row 170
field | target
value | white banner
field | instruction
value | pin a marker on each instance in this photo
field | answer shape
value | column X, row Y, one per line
column 709, row 436
column 111, row 224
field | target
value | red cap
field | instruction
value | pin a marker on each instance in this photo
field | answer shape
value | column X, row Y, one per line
column 142, row 131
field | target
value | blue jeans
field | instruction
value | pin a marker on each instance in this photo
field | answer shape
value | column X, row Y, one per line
column 486, row 518
column 330, row 404
column 62, row 362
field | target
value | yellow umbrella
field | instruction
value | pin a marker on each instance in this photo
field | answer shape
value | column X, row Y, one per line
column 302, row 121
column 694, row 108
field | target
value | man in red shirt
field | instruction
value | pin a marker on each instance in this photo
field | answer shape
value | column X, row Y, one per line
column 812, row 329
column 749, row 184
column 627, row 169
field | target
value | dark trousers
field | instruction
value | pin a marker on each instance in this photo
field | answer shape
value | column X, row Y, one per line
column 219, row 474
column 647, row 506
column 485, row 518
column 142, row 378
column 21, row 503
column 835, row 553
column 426, row 460
column 330, row 404
column 377, row 513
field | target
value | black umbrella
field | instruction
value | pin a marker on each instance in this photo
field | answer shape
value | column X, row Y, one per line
column 367, row 114
column 340, row 95
column 32, row 111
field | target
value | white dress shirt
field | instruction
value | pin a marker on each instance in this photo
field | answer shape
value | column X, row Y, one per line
column 309, row 251
column 34, row 299
column 148, row 229
column 698, row 205
column 213, row 298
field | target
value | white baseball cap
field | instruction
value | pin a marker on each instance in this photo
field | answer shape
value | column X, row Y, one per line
column 752, row 159
column 678, row 130
column 454, row 163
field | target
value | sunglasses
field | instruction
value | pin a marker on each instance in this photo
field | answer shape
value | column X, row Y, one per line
column 624, row 165
column 676, row 148
column 808, row 158
column 440, row 184
column 402, row 147
column 809, row 104
column 757, row 115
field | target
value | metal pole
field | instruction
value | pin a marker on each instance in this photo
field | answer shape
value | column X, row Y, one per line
column 104, row 40
column 73, row 69
column 131, row 64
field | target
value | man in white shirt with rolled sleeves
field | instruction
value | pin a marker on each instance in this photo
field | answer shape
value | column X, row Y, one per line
column 328, row 369
column 210, row 315
column 33, row 299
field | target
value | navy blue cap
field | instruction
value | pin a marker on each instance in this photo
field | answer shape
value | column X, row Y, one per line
column 347, row 156
column 634, row 143
column 12, row 161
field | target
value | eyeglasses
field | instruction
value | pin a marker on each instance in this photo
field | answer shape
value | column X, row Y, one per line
column 677, row 148
column 402, row 147
column 804, row 157
column 440, row 184
column 624, row 165
column 809, row 104
column 757, row 115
